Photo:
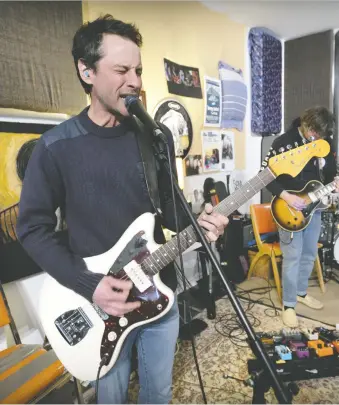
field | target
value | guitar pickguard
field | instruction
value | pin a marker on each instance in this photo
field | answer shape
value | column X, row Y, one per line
column 135, row 247
column 310, row 208
column 153, row 302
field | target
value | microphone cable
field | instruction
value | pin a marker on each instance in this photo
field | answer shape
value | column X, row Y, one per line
column 181, row 268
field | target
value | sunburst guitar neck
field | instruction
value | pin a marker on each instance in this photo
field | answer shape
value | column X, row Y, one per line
column 316, row 196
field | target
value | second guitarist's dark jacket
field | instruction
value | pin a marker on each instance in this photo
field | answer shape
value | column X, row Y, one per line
column 311, row 170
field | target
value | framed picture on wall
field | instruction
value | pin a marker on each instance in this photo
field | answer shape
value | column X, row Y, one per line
column 142, row 98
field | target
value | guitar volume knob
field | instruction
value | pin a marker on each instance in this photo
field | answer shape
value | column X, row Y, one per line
column 123, row 321
column 111, row 336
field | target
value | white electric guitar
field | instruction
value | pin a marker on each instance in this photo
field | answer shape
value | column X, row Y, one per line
column 81, row 334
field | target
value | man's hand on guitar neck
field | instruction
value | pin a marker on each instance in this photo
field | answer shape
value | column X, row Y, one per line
column 293, row 200
column 113, row 302
column 213, row 222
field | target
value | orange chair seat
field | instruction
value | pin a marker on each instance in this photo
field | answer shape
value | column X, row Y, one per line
column 263, row 222
column 25, row 371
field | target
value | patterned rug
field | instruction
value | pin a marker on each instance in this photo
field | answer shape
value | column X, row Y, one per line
column 219, row 357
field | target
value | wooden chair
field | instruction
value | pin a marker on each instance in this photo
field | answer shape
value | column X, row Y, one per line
column 27, row 372
column 263, row 223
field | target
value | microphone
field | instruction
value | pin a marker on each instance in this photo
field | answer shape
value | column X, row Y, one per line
column 134, row 106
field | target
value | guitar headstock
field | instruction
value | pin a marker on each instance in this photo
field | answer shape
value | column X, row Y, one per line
column 293, row 161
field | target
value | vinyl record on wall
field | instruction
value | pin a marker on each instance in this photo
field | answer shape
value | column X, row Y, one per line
column 174, row 115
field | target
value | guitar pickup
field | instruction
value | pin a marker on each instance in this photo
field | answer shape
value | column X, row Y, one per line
column 137, row 276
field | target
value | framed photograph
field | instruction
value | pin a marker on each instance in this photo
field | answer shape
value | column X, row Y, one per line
column 212, row 116
column 142, row 98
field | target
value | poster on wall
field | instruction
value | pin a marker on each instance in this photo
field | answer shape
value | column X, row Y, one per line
column 182, row 80
column 212, row 116
column 193, row 164
column 227, row 151
column 175, row 116
column 211, row 148
column 237, row 179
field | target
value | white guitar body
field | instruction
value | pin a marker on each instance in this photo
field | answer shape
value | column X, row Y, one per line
column 82, row 358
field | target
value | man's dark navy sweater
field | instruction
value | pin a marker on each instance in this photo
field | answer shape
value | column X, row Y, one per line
column 96, row 176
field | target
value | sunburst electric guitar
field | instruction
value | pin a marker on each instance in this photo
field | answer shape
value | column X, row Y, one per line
column 316, row 196
column 81, row 334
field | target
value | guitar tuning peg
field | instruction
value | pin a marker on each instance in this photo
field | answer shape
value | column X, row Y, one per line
column 289, row 147
column 304, row 141
column 296, row 144
column 281, row 149
column 274, row 152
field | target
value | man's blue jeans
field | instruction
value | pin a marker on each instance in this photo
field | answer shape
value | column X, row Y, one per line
column 299, row 254
column 156, row 343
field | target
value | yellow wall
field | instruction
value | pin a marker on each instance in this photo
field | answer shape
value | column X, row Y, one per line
column 187, row 33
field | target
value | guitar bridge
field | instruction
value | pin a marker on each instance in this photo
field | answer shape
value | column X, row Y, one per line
column 73, row 325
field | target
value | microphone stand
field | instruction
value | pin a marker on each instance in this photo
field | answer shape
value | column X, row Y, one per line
column 283, row 395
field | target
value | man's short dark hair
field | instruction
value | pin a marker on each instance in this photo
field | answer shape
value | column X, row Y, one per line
column 320, row 120
column 88, row 39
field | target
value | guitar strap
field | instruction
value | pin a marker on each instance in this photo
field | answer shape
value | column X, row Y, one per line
column 150, row 164
column 319, row 170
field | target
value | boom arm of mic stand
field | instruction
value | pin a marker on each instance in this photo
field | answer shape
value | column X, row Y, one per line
column 282, row 394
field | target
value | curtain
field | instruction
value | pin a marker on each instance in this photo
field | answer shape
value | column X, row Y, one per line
column 36, row 64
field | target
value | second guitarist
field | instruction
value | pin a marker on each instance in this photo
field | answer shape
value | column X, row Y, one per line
column 300, row 248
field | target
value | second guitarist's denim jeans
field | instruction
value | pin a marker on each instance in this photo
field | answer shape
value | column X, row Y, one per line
column 299, row 254
column 156, row 343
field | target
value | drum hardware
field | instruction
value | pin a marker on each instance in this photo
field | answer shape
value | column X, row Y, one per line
column 329, row 237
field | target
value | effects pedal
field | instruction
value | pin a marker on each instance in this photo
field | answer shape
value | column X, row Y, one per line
column 292, row 334
column 327, row 335
column 283, row 352
column 300, row 349
column 335, row 344
column 310, row 334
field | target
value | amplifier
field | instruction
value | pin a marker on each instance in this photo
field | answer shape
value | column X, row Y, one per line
column 329, row 227
column 247, row 235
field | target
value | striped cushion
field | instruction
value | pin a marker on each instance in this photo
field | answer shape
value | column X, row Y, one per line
column 234, row 96
column 26, row 370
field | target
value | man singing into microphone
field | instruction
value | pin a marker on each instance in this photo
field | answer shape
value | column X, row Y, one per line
column 90, row 166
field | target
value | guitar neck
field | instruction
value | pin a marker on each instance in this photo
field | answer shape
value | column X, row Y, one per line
column 170, row 250
column 324, row 191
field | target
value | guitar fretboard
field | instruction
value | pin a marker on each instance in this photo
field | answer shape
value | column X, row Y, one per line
column 170, row 250
column 324, row 191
